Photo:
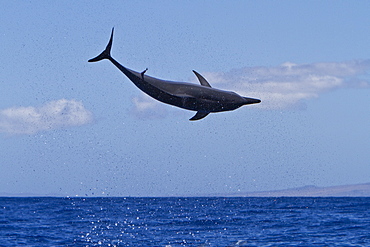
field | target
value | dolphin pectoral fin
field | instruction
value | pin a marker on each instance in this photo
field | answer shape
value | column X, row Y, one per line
column 199, row 115
column 201, row 79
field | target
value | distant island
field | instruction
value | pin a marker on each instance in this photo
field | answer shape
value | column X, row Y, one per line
column 355, row 190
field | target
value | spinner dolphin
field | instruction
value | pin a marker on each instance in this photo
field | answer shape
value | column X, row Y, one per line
column 200, row 98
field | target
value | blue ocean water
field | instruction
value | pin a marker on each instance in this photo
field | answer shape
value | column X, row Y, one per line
column 207, row 221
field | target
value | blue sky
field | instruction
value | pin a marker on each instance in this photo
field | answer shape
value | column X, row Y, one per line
column 69, row 127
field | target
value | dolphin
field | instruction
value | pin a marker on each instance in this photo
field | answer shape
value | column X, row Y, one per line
column 200, row 98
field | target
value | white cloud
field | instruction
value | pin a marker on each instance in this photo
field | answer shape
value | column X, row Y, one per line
column 52, row 115
column 146, row 107
column 279, row 87
column 287, row 85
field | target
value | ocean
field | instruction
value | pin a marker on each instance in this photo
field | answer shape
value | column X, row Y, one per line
column 167, row 222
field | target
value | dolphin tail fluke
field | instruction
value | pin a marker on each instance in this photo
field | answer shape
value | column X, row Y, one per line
column 106, row 53
column 199, row 115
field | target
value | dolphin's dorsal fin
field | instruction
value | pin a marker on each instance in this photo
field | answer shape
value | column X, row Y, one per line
column 199, row 115
column 201, row 79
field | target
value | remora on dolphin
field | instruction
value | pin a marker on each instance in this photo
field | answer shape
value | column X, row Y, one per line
column 200, row 98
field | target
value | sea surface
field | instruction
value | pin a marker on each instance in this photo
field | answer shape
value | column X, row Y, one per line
column 206, row 221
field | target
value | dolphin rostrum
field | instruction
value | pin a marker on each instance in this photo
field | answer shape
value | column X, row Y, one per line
column 200, row 98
